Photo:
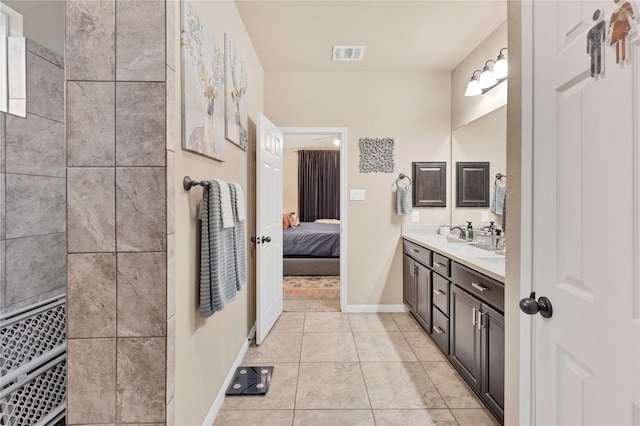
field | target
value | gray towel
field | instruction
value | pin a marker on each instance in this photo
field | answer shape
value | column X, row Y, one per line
column 239, row 246
column 403, row 200
column 497, row 204
column 217, row 265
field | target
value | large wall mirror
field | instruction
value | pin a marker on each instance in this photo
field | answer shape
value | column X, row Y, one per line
column 482, row 140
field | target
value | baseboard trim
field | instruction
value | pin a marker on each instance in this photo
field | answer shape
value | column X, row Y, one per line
column 217, row 403
column 374, row 308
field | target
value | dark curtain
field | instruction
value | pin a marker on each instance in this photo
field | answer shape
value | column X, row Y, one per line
column 318, row 185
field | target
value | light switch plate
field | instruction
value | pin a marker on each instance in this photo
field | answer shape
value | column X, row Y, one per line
column 415, row 216
column 356, row 194
column 485, row 217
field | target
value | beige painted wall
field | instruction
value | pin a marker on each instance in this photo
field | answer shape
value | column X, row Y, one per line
column 290, row 180
column 207, row 348
column 484, row 139
column 413, row 108
column 466, row 109
column 43, row 21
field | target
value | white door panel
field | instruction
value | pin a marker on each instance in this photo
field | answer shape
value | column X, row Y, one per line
column 268, row 227
column 585, row 178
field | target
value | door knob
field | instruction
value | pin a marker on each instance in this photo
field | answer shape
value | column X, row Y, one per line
column 529, row 306
column 255, row 240
column 266, row 239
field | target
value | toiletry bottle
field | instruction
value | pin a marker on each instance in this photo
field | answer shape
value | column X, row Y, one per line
column 469, row 232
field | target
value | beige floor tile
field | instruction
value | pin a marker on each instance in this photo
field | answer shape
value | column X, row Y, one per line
column 400, row 385
column 331, row 386
column 328, row 347
column 423, row 346
column 289, row 322
column 281, row 394
column 474, row 417
column 432, row 417
column 372, row 322
column 311, row 305
column 333, row 418
column 255, row 418
column 451, row 386
column 406, row 322
column 327, row 322
column 383, row 346
column 277, row 347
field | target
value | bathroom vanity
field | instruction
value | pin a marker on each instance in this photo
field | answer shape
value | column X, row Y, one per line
column 456, row 292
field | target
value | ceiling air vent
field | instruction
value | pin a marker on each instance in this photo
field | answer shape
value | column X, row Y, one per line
column 348, row 53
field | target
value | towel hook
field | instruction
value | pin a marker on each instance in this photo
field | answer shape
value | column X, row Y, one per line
column 188, row 183
column 499, row 176
column 403, row 176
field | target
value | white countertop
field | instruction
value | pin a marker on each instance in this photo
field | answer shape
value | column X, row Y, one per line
column 484, row 261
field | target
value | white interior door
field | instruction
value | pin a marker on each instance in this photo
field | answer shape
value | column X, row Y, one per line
column 268, row 227
column 586, row 203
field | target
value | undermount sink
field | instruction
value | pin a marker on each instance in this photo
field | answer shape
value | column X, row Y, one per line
column 454, row 239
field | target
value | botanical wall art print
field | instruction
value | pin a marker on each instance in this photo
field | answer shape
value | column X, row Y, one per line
column 236, row 82
column 202, row 87
column 376, row 155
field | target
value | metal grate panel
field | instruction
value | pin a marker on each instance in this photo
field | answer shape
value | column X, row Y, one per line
column 30, row 335
column 41, row 395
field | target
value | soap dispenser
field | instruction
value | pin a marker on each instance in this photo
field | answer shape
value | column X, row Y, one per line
column 469, row 232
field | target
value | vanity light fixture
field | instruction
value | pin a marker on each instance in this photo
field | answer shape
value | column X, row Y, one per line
column 473, row 87
column 489, row 77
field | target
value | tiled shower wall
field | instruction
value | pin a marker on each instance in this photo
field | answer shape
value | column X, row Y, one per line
column 32, row 188
column 117, row 211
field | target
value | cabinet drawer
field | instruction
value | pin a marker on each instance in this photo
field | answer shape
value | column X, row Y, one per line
column 441, row 265
column 441, row 293
column 481, row 286
column 440, row 332
column 420, row 254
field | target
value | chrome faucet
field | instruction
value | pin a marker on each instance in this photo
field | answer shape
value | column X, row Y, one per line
column 463, row 232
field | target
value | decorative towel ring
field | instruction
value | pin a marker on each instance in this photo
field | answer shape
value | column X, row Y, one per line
column 403, row 176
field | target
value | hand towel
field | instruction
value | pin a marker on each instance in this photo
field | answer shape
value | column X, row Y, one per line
column 217, row 264
column 403, row 200
column 225, row 204
column 241, row 214
column 239, row 244
column 499, row 193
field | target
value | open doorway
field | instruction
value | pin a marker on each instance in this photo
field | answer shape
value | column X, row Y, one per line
column 313, row 218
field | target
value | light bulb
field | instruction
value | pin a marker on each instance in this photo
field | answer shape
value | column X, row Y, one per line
column 473, row 88
column 501, row 68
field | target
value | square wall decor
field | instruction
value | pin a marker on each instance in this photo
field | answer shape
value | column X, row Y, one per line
column 472, row 184
column 376, row 155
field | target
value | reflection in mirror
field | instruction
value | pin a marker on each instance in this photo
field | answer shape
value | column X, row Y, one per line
column 482, row 140
column 13, row 63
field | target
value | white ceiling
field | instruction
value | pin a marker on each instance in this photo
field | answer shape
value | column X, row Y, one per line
column 298, row 35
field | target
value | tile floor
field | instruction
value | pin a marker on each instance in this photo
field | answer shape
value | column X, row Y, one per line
column 342, row 369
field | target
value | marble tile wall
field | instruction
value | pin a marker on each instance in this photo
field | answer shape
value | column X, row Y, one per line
column 117, row 211
column 32, row 188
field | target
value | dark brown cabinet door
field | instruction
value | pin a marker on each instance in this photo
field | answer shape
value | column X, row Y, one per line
column 423, row 291
column 409, row 283
column 464, row 336
column 492, row 349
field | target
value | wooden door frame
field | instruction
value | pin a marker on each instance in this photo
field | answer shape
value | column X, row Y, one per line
column 342, row 132
column 527, row 385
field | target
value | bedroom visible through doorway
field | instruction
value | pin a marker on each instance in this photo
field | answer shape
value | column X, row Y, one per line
column 312, row 221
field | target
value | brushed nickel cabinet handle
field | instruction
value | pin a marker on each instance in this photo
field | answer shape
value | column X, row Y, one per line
column 473, row 318
column 415, row 251
column 479, row 287
column 439, row 265
column 438, row 330
column 439, row 292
